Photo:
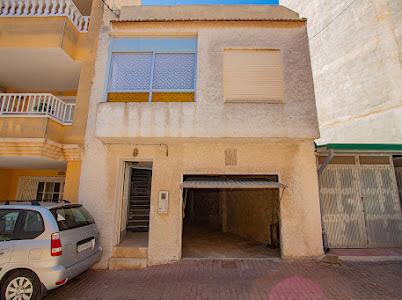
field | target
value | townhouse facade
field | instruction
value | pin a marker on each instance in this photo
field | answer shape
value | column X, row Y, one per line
column 200, row 136
column 187, row 132
column 356, row 63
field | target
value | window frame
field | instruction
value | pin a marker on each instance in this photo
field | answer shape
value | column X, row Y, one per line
column 151, row 43
column 151, row 90
column 52, row 193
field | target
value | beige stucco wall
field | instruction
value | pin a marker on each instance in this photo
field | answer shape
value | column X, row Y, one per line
column 209, row 115
column 271, row 139
column 294, row 162
column 250, row 213
column 356, row 59
column 72, row 182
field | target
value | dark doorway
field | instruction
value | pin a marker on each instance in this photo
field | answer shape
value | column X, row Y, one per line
column 139, row 201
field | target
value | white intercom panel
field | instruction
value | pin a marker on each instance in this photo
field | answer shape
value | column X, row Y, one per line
column 163, row 202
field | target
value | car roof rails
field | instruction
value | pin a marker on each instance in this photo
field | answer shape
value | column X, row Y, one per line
column 33, row 202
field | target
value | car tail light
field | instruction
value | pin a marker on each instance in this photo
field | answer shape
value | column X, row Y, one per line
column 60, row 282
column 55, row 244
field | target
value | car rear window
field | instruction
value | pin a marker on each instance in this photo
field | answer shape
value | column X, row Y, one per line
column 70, row 217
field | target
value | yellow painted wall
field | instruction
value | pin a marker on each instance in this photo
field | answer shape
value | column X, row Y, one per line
column 75, row 134
column 17, row 127
column 4, row 184
column 8, row 187
column 55, row 131
column 33, row 127
column 54, row 32
column 72, row 182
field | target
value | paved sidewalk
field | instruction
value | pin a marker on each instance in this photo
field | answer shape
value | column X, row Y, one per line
column 247, row 279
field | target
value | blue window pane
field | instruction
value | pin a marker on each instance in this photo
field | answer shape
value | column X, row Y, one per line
column 130, row 72
column 174, row 71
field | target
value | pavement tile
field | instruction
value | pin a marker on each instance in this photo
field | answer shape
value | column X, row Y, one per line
column 241, row 279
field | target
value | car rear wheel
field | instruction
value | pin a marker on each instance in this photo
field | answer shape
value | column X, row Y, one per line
column 21, row 285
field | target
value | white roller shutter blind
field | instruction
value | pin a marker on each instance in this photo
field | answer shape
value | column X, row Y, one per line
column 253, row 75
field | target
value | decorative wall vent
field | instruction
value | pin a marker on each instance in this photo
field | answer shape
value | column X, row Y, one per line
column 231, row 157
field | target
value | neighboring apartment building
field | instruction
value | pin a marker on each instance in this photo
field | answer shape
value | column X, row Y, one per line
column 356, row 58
column 200, row 135
column 47, row 51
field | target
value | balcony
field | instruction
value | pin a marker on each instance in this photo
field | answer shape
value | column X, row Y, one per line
column 55, row 28
column 37, row 105
column 35, row 116
column 43, row 8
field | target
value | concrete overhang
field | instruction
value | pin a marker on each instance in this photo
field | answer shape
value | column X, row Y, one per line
column 207, row 13
column 38, row 70
column 31, row 162
column 47, row 32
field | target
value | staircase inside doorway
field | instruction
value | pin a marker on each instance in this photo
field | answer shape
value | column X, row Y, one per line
column 139, row 203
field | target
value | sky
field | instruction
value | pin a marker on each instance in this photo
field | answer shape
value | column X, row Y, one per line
column 189, row 2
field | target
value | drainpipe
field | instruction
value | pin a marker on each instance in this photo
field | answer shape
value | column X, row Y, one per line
column 326, row 162
column 320, row 171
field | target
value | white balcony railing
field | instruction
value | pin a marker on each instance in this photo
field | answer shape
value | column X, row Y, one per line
column 36, row 105
column 32, row 8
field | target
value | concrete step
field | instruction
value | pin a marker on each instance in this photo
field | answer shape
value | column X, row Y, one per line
column 138, row 217
column 122, row 263
column 137, row 228
column 129, row 252
column 139, row 206
column 138, row 212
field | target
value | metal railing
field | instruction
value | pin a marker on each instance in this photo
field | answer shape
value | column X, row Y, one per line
column 30, row 8
column 37, row 104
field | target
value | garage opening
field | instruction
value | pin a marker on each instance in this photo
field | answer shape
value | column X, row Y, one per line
column 232, row 217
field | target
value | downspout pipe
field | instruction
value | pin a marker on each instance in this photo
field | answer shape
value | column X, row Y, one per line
column 320, row 171
column 326, row 162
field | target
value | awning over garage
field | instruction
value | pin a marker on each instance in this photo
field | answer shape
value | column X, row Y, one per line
column 230, row 183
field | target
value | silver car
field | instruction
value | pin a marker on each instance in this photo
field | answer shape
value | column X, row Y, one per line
column 43, row 245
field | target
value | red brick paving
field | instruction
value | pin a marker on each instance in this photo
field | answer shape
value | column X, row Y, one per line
column 247, row 279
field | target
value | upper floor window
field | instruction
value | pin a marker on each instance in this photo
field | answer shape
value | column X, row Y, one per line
column 253, row 75
column 154, row 71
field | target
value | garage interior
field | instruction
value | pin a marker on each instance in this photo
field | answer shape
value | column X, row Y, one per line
column 232, row 217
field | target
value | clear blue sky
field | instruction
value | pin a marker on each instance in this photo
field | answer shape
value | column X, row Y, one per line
column 188, row 2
